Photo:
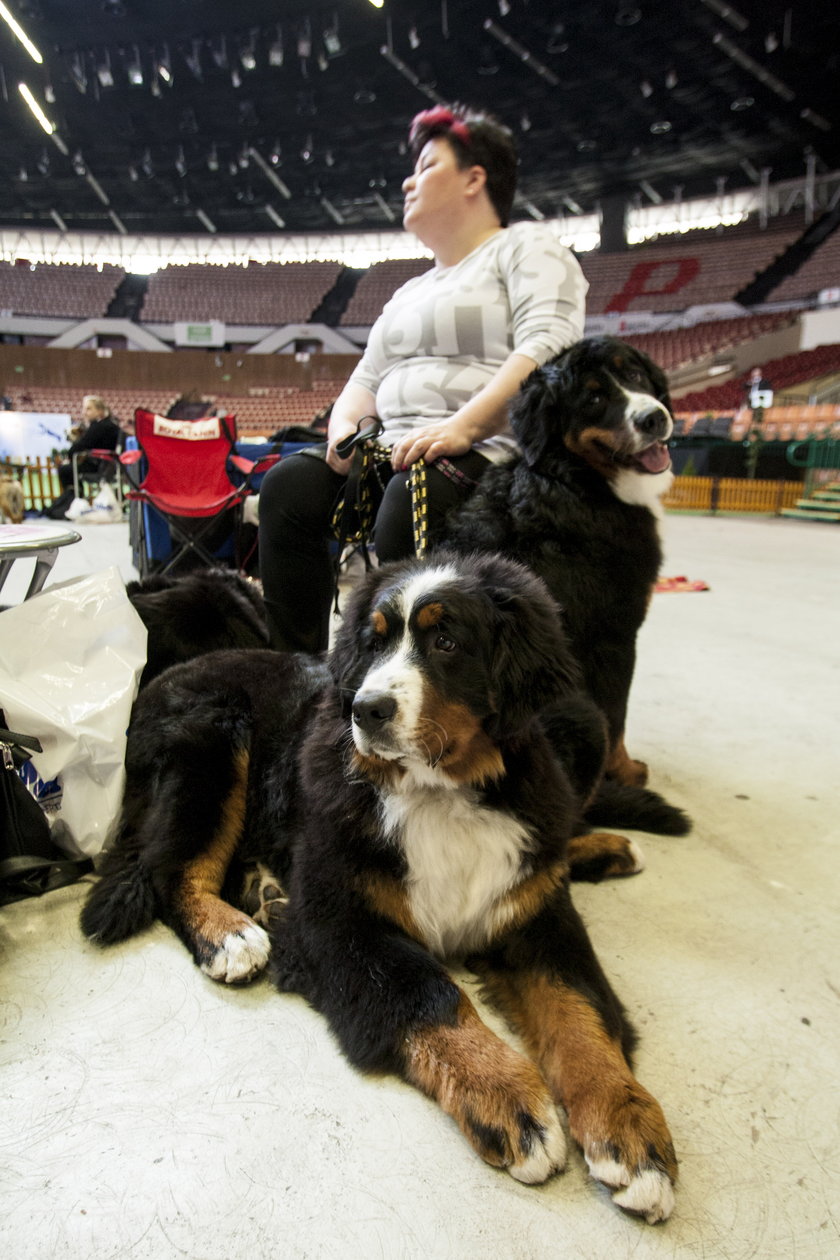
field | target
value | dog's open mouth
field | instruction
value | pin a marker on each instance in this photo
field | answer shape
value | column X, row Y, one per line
column 655, row 458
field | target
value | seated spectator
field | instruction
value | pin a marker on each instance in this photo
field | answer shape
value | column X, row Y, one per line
column 98, row 431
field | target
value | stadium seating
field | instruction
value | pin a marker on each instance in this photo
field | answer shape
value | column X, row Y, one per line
column 784, row 373
column 820, row 271
column 377, row 285
column 57, row 290
column 261, row 293
column 675, row 275
column 673, row 347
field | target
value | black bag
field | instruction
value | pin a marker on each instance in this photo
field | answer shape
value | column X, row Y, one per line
column 30, row 864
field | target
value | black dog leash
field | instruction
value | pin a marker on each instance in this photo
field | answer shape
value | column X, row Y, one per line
column 373, row 456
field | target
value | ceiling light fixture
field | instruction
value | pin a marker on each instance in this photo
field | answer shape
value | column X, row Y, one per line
column 134, row 69
column 205, row 220
column 275, row 52
column 220, row 54
column 193, row 60
column 58, row 221
column 213, row 158
column 164, row 65
column 332, row 39
column 117, row 222
column 35, row 108
column 274, row 216
column 78, row 73
column 18, row 31
column 304, row 40
column 248, row 52
column 104, row 72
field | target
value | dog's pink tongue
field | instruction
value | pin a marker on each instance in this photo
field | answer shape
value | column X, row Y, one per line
column 656, row 458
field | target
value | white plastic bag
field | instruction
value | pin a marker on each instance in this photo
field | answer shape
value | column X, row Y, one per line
column 70, row 663
column 79, row 507
column 104, row 510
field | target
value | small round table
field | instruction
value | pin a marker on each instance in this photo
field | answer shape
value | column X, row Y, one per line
column 41, row 540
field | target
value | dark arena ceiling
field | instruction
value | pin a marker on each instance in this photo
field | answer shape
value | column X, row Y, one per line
column 195, row 115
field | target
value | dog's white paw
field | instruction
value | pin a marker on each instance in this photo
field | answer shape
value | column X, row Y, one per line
column 240, row 956
column 638, row 856
column 648, row 1193
column 546, row 1152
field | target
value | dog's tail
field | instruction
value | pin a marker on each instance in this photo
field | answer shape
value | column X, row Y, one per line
column 122, row 902
column 621, row 805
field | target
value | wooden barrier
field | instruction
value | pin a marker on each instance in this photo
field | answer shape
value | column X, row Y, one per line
column 731, row 494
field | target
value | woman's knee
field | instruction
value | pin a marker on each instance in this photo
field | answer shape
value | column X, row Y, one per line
column 298, row 492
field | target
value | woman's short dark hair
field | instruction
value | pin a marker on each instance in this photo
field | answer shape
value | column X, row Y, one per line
column 476, row 139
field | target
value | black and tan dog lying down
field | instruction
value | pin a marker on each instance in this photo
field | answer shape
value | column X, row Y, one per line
column 420, row 796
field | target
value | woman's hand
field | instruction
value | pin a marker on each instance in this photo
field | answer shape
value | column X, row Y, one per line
column 442, row 437
column 336, row 435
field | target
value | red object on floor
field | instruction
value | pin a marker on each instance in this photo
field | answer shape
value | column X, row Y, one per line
column 680, row 584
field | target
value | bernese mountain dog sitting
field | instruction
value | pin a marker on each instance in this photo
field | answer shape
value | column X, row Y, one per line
column 581, row 506
column 420, row 797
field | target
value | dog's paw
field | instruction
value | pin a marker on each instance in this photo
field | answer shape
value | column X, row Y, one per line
column 647, row 1192
column 518, row 1130
column 542, row 1148
column 240, row 956
column 633, row 1153
column 602, row 855
column 262, row 897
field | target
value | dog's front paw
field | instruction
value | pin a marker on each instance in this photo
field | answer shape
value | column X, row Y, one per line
column 601, row 855
column 240, row 955
column 634, row 1155
column 514, row 1124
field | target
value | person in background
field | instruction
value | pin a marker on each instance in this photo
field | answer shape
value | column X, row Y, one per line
column 98, row 431
column 443, row 360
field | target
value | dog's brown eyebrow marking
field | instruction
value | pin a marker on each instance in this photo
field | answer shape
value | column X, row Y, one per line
column 378, row 622
column 593, row 383
column 430, row 615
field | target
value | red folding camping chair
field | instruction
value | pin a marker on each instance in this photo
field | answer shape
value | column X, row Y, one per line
column 185, row 470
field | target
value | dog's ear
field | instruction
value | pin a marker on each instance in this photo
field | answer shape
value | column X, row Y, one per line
column 349, row 655
column 532, row 664
column 655, row 375
column 538, row 416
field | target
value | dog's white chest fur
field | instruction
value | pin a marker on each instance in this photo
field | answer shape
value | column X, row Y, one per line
column 461, row 856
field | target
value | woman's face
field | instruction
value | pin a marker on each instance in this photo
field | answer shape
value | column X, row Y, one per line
column 90, row 411
column 436, row 186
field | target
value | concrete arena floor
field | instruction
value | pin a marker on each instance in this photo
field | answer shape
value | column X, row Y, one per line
column 150, row 1113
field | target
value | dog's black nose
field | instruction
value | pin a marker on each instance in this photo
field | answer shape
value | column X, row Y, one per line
column 372, row 712
column 653, row 422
